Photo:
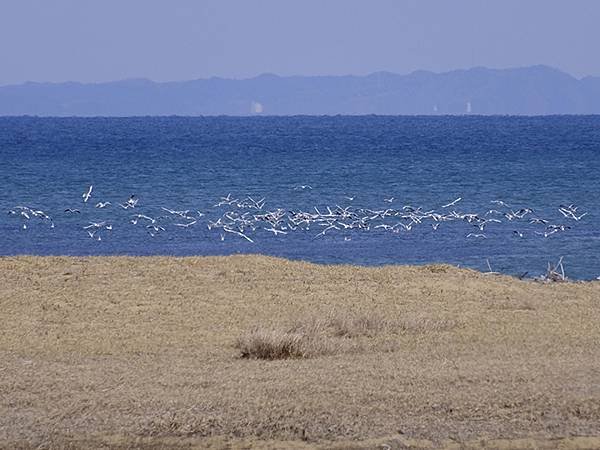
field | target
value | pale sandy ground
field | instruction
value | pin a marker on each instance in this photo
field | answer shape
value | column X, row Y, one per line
column 140, row 353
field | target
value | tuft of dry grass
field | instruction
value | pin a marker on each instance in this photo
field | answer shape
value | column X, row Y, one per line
column 277, row 344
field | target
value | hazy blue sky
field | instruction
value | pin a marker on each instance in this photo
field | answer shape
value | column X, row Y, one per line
column 100, row 40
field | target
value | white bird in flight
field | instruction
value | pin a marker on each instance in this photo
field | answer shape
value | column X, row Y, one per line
column 185, row 225
column 275, row 231
column 476, row 235
column 240, row 234
column 86, row 195
column 452, row 203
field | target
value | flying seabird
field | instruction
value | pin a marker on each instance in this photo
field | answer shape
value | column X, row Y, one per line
column 275, row 231
column 185, row 225
column 86, row 195
column 452, row 203
column 239, row 233
column 477, row 235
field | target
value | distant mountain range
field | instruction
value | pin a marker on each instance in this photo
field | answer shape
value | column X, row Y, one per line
column 536, row 90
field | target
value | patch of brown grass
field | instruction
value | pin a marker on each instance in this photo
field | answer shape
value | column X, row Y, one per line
column 311, row 337
column 351, row 326
column 308, row 338
column 137, row 353
column 424, row 325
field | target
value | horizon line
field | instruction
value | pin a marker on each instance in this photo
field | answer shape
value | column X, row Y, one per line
column 267, row 116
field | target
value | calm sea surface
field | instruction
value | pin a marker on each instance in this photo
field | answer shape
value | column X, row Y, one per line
column 352, row 164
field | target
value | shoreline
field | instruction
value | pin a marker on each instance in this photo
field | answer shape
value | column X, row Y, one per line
column 428, row 266
column 144, row 351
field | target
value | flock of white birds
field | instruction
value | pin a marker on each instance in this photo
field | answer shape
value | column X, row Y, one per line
column 243, row 217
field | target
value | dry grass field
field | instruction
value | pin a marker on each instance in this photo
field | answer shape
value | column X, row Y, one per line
column 259, row 352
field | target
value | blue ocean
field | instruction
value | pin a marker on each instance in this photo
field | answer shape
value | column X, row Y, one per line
column 506, row 193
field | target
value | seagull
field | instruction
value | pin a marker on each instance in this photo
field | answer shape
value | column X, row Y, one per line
column 102, row 204
column 322, row 233
column 518, row 233
column 275, row 231
column 452, row 203
column 226, row 201
column 547, row 233
column 95, row 225
column 349, row 198
column 570, row 213
column 92, row 235
column 500, row 202
column 177, row 213
column 406, row 227
column 41, row 214
column 239, row 233
column 477, row 235
column 537, row 220
column 389, row 200
column 302, row 187
column 131, row 203
column 72, row 211
column 558, row 227
column 136, row 217
column 86, row 195
column 185, row 225
column 155, row 228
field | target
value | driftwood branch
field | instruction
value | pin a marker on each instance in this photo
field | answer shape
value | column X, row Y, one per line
column 555, row 272
column 491, row 272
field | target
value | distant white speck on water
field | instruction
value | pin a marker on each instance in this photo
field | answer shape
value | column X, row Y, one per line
column 257, row 108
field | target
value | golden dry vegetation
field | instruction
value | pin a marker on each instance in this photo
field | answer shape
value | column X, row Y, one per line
column 166, row 352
